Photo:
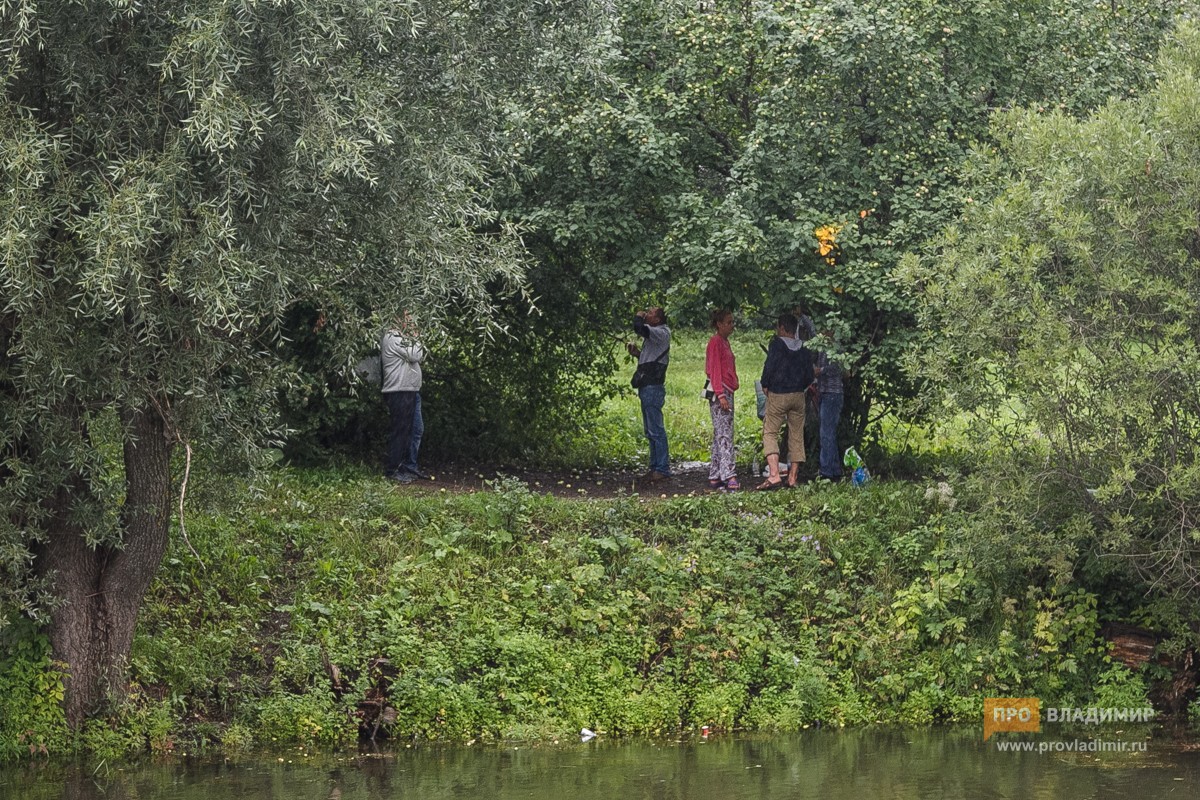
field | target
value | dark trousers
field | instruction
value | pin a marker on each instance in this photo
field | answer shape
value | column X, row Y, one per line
column 401, row 408
column 831, row 411
column 418, row 433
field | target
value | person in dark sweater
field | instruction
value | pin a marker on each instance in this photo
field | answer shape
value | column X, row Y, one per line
column 786, row 376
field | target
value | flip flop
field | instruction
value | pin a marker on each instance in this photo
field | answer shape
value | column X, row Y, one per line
column 715, row 485
column 768, row 486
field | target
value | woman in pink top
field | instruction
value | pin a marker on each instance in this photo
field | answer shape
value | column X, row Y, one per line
column 722, row 373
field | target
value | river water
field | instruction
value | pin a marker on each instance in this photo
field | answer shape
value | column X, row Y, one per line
column 897, row 764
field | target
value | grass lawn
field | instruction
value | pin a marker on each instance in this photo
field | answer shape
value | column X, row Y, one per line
column 617, row 436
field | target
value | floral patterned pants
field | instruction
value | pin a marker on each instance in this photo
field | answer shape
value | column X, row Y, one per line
column 721, row 464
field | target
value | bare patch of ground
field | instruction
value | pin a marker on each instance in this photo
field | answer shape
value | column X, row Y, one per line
column 688, row 478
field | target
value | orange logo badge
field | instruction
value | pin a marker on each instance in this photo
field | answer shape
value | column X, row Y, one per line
column 1011, row 714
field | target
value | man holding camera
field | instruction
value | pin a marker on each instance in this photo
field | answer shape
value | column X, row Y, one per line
column 649, row 378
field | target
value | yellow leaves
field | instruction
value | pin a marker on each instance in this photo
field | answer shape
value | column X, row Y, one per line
column 827, row 237
column 827, row 241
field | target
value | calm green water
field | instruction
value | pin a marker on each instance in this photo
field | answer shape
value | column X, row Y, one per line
column 823, row 765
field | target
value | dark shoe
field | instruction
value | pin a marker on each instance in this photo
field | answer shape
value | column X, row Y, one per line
column 769, row 486
column 400, row 477
column 715, row 485
column 653, row 476
column 417, row 473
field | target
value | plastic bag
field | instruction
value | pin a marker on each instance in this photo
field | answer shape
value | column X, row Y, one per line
column 858, row 470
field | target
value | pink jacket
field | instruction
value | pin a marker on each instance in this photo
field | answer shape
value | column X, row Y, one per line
column 719, row 365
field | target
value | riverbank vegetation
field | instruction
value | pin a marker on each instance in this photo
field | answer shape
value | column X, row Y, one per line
column 331, row 606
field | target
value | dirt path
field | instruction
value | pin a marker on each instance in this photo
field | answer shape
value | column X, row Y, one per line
column 689, row 478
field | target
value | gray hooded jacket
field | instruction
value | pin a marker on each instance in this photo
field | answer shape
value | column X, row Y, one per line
column 401, row 358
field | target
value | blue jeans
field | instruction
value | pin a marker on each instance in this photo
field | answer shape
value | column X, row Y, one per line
column 399, row 445
column 831, row 411
column 653, row 398
column 418, row 430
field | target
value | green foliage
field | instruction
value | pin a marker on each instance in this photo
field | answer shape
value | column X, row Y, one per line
column 135, row 725
column 331, row 603
column 309, row 718
column 236, row 736
column 183, row 178
column 202, row 658
column 1065, row 300
column 526, row 393
column 696, row 167
column 1121, row 687
column 517, row 392
column 31, row 690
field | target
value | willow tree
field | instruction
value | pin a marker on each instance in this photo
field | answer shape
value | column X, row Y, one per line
column 176, row 176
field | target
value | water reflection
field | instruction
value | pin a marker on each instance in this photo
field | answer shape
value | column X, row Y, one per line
column 829, row 765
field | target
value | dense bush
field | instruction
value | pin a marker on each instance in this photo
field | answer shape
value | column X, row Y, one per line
column 1064, row 304
column 515, row 391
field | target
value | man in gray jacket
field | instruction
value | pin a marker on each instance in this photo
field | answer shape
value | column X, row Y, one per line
column 400, row 355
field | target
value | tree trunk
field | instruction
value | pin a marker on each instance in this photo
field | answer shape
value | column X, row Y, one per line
column 100, row 587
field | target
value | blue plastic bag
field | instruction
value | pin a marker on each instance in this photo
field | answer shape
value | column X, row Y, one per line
column 858, row 470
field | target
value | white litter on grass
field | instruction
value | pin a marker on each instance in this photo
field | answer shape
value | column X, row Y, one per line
column 586, row 735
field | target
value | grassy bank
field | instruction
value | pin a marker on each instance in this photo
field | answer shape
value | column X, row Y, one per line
column 331, row 603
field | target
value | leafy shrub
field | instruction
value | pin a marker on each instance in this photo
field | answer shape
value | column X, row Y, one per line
column 720, row 705
column 309, row 718
column 1120, row 687
column 237, row 736
column 1058, row 305
column 31, row 690
column 508, row 613
column 136, row 723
